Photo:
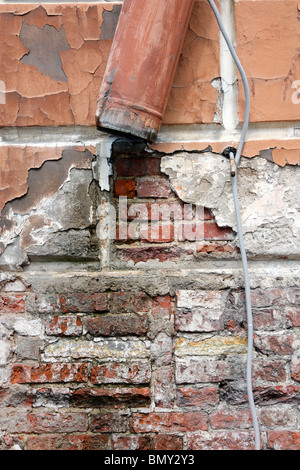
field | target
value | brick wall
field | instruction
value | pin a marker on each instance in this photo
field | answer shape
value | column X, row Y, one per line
column 122, row 309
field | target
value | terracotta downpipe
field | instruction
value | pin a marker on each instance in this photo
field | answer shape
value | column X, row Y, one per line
column 141, row 66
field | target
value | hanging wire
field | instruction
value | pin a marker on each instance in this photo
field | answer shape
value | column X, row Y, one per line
column 235, row 160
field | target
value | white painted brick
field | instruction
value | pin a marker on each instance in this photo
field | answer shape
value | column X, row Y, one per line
column 103, row 349
column 27, row 327
column 201, row 298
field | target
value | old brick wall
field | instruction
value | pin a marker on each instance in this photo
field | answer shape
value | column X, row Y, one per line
column 122, row 309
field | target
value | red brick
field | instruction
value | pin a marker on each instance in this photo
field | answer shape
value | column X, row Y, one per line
column 136, row 210
column 157, row 233
column 7, row 442
column 114, row 372
column 131, row 442
column 275, row 417
column 189, row 231
column 64, row 325
column 49, row 373
column 155, row 211
column 269, row 371
column 144, row 254
column 268, row 297
column 130, row 166
column 138, row 166
column 221, row 440
column 195, row 396
column 125, row 188
column 48, row 423
column 213, row 232
column 152, row 233
column 167, row 442
column 204, row 369
column 234, row 419
column 111, row 325
column 204, row 230
column 153, row 187
column 52, row 396
column 68, row 442
column 12, row 303
column 283, row 440
column 295, row 369
column 170, row 211
column 169, row 421
column 120, row 396
column 125, row 302
column 162, row 307
column 16, row 396
column 81, row 302
column 279, row 344
column 293, row 316
column 277, row 394
column 265, row 319
column 164, row 388
column 108, row 422
column 213, row 248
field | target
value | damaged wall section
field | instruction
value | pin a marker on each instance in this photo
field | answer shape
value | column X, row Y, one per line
column 122, row 310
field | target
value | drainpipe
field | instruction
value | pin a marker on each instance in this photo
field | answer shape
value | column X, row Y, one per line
column 141, row 66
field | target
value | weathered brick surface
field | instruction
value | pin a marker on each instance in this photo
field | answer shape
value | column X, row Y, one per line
column 284, row 440
column 154, row 215
column 166, row 422
column 68, row 442
column 113, row 372
column 49, row 373
column 221, row 440
column 12, row 303
column 136, row 338
column 128, row 351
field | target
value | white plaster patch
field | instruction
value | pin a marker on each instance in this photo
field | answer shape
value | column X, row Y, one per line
column 269, row 197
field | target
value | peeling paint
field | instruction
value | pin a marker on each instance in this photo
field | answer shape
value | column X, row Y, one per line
column 110, row 21
column 55, row 209
column 44, row 47
column 53, row 77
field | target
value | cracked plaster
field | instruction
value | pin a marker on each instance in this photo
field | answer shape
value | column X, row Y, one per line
column 269, row 207
column 54, row 211
column 67, row 93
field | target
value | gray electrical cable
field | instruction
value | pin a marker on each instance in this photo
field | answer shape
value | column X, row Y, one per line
column 235, row 161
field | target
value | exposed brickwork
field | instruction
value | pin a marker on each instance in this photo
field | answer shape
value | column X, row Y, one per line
column 123, row 323
column 205, row 392
column 154, row 215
